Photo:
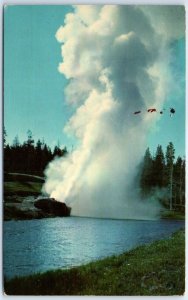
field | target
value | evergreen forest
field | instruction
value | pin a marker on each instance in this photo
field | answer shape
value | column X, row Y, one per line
column 159, row 175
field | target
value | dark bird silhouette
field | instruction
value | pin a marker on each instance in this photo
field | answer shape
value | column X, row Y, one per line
column 172, row 111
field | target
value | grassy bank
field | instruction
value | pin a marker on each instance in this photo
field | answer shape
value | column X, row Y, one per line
column 22, row 184
column 22, row 188
column 20, row 191
column 154, row 269
column 173, row 215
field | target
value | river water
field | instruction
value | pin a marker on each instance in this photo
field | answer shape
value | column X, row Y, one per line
column 39, row 245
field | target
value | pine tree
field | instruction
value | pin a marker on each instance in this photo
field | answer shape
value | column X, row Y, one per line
column 38, row 157
column 16, row 142
column 7, row 158
column 29, row 152
column 179, row 184
column 28, row 157
column 4, row 137
column 15, row 155
column 30, row 140
column 146, row 173
column 57, row 151
column 64, row 151
column 170, row 155
column 159, row 168
column 182, row 200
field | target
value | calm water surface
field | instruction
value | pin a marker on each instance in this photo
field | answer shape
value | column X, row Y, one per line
column 39, row 245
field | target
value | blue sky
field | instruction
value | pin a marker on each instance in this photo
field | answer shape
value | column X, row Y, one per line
column 34, row 89
column 173, row 128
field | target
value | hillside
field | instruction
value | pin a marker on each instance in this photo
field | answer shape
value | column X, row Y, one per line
column 21, row 201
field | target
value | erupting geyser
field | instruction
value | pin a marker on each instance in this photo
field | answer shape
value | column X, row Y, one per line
column 116, row 59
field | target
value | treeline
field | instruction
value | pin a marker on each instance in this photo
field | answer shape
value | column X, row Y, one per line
column 166, row 175
column 159, row 174
column 29, row 157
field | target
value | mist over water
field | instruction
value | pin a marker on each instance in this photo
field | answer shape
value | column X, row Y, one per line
column 116, row 59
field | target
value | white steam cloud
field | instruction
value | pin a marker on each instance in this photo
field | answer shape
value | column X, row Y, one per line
column 117, row 61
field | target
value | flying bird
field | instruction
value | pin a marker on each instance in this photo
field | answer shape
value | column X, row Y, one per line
column 172, row 111
column 152, row 110
column 162, row 111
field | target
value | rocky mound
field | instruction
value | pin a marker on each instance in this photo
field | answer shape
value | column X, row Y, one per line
column 53, row 207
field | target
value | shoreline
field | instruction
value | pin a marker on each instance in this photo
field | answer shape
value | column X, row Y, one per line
column 157, row 268
column 175, row 217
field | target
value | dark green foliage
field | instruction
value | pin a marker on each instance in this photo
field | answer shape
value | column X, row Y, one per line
column 173, row 215
column 170, row 151
column 179, row 184
column 154, row 269
column 164, row 174
column 159, row 168
column 29, row 158
column 4, row 137
column 146, row 174
column 170, row 154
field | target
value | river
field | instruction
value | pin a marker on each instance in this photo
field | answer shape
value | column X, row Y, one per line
column 39, row 245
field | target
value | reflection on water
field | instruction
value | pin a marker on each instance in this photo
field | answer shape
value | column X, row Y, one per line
column 39, row 245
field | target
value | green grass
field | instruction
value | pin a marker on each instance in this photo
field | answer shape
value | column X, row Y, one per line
column 154, row 269
column 22, row 188
column 22, row 184
column 22, row 177
column 173, row 215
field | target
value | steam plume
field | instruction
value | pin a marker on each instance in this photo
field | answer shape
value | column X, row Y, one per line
column 116, row 59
